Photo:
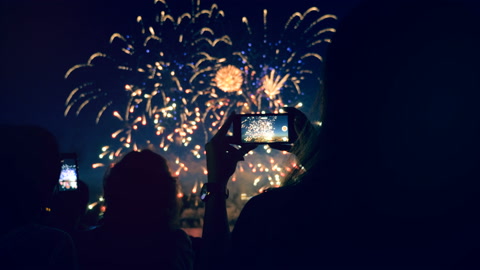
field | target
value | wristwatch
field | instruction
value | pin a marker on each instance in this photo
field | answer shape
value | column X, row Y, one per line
column 212, row 188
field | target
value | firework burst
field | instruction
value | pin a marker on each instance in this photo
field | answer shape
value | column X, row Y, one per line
column 146, row 79
column 263, row 72
column 171, row 83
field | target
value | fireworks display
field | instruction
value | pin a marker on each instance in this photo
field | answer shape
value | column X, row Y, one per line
column 170, row 84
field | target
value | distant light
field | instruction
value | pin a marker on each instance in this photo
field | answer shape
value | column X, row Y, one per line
column 97, row 165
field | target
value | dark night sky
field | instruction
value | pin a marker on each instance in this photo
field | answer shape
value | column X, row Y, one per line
column 41, row 40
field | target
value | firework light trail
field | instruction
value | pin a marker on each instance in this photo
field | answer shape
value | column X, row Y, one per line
column 171, row 84
column 145, row 80
column 268, row 68
column 265, row 70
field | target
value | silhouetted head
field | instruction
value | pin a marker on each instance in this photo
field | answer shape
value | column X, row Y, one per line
column 141, row 188
column 30, row 166
column 402, row 111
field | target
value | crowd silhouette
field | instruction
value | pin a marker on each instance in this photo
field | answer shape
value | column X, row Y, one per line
column 389, row 179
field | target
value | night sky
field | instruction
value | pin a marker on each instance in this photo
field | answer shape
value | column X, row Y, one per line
column 41, row 40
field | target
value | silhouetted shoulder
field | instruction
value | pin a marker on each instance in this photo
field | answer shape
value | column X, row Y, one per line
column 285, row 220
column 37, row 247
column 100, row 247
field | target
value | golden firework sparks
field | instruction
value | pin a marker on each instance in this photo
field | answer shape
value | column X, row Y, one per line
column 229, row 78
column 176, row 83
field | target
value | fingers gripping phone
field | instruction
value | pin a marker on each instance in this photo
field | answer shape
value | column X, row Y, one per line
column 270, row 128
column 69, row 172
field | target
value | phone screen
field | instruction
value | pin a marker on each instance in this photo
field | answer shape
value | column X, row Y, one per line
column 69, row 172
column 264, row 128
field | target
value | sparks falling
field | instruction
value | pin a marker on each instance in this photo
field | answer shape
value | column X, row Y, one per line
column 170, row 84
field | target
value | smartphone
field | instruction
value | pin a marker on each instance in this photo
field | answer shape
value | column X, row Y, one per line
column 269, row 128
column 69, row 172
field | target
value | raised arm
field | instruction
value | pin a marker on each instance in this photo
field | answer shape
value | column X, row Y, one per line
column 222, row 158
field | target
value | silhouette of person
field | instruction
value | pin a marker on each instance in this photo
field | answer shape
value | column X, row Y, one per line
column 30, row 166
column 140, row 225
column 392, row 179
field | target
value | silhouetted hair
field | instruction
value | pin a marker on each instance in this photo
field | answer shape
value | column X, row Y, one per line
column 142, row 182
